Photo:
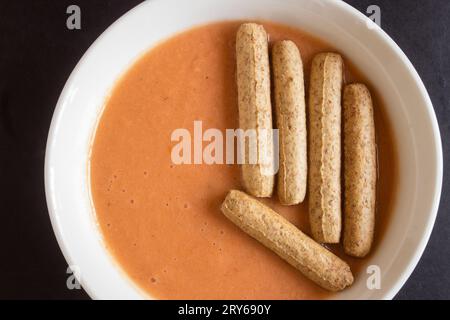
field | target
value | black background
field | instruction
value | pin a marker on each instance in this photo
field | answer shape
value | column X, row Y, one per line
column 37, row 54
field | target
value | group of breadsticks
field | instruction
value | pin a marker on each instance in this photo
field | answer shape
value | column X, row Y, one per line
column 309, row 158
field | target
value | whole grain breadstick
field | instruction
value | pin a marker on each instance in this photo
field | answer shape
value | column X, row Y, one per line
column 291, row 121
column 325, row 147
column 279, row 235
column 360, row 170
column 255, row 109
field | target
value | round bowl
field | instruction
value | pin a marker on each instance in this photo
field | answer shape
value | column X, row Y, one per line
column 387, row 68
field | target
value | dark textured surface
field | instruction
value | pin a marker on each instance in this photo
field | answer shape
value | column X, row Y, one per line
column 37, row 55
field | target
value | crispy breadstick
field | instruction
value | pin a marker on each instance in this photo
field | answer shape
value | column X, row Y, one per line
column 291, row 121
column 325, row 147
column 279, row 235
column 255, row 109
column 360, row 170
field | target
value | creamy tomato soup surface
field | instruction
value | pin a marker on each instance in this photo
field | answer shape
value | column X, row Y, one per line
column 161, row 221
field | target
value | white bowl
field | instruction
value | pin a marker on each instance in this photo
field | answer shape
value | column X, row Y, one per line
column 408, row 106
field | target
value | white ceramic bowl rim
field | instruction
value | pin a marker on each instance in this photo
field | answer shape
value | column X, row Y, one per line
column 54, row 188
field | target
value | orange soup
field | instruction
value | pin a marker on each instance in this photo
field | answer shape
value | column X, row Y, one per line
column 162, row 222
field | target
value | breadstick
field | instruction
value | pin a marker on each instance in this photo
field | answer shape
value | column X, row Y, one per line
column 360, row 170
column 279, row 235
column 291, row 122
column 325, row 147
column 255, row 109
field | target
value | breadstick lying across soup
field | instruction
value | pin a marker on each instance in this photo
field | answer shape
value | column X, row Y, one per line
column 289, row 92
column 292, row 245
column 255, row 109
column 360, row 170
column 325, row 147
